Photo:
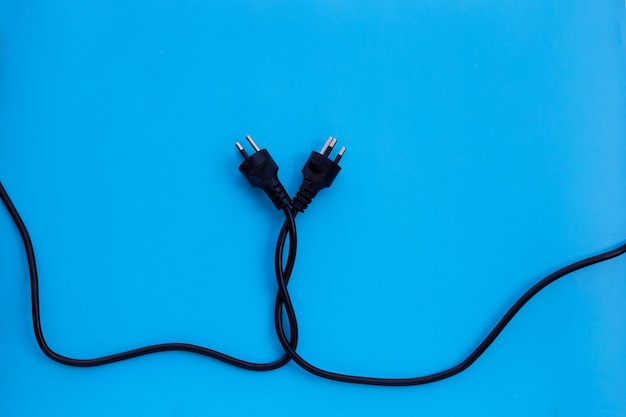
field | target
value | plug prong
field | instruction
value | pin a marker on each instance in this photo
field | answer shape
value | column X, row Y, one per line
column 340, row 154
column 254, row 145
column 328, row 146
column 242, row 150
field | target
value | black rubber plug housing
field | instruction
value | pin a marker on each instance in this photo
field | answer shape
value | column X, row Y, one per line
column 319, row 172
column 262, row 172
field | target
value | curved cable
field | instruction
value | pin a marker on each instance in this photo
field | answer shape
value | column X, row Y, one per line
column 164, row 347
column 426, row 379
column 283, row 303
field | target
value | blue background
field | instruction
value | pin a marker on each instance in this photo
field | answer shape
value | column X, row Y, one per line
column 485, row 149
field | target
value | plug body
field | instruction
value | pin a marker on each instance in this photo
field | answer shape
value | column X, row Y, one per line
column 262, row 172
column 319, row 172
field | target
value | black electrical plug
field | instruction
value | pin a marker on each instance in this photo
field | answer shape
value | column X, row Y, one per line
column 319, row 172
column 262, row 172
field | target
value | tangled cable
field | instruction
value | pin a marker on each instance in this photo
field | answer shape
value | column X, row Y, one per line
column 261, row 171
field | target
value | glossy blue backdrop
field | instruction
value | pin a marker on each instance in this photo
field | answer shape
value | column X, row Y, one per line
column 485, row 149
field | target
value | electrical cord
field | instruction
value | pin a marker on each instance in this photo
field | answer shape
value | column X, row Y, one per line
column 319, row 173
column 438, row 376
column 261, row 171
column 164, row 347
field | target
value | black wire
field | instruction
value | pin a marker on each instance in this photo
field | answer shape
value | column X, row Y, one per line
column 463, row 365
column 283, row 303
column 43, row 345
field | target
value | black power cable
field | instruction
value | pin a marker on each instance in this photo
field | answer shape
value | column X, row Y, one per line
column 261, row 171
column 164, row 347
column 438, row 376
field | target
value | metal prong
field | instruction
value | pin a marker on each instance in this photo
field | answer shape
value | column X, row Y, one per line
column 242, row 150
column 328, row 146
column 340, row 154
column 331, row 145
column 254, row 145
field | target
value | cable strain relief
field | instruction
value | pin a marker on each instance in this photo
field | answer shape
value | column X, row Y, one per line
column 279, row 196
column 302, row 200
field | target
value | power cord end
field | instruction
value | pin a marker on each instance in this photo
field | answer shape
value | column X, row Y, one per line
column 262, row 172
column 319, row 172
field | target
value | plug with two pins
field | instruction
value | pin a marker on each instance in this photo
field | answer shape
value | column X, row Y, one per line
column 319, row 172
column 262, row 172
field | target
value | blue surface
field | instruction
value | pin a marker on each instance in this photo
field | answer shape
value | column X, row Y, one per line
column 485, row 149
